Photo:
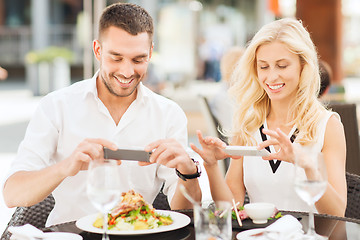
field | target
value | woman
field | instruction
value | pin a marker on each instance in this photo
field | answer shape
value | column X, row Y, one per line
column 275, row 87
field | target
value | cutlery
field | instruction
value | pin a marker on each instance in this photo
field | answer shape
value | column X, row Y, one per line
column 231, row 208
column 237, row 213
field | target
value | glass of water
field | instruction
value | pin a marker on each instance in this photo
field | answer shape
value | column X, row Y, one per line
column 211, row 223
column 103, row 187
column 310, row 185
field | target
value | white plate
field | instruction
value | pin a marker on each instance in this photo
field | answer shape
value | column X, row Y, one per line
column 245, row 235
column 179, row 220
column 61, row 236
column 245, row 151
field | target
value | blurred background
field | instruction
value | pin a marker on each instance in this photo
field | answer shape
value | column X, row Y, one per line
column 47, row 44
column 190, row 36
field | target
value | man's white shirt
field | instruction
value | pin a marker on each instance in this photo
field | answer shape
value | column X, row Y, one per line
column 66, row 117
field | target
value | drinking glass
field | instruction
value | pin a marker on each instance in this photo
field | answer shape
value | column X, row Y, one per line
column 210, row 223
column 310, row 185
column 103, row 187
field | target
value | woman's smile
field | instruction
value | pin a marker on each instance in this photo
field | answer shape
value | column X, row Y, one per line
column 275, row 86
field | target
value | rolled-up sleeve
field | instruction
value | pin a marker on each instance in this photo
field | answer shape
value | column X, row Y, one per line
column 39, row 144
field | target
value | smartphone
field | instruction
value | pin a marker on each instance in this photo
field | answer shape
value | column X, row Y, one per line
column 245, row 151
column 127, row 154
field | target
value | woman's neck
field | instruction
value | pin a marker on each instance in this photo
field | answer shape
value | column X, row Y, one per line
column 278, row 116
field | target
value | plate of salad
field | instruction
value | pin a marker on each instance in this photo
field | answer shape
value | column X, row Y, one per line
column 133, row 216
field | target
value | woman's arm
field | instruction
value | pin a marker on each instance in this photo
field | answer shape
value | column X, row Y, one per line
column 235, row 180
column 212, row 152
column 334, row 151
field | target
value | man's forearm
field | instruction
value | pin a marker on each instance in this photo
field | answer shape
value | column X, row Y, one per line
column 26, row 188
column 193, row 188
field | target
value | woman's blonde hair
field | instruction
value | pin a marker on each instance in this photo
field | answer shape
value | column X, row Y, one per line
column 253, row 104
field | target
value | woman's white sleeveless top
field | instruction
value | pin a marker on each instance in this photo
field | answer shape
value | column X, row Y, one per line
column 263, row 185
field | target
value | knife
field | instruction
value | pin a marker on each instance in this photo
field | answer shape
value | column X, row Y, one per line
column 127, row 154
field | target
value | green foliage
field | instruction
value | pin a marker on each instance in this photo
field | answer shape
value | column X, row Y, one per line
column 48, row 55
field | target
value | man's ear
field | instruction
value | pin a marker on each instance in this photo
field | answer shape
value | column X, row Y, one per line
column 151, row 50
column 97, row 49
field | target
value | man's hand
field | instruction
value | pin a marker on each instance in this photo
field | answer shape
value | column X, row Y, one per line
column 171, row 153
column 87, row 150
column 19, row 190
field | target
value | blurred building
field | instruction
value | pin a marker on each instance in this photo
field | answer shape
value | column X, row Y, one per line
column 55, row 25
column 31, row 25
column 181, row 27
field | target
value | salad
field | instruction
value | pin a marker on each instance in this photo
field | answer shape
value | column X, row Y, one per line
column 133, row 213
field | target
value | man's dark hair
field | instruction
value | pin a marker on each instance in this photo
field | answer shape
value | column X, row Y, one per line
column 129, row 17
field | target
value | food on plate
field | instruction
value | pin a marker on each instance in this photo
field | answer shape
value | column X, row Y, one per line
column 133, row 213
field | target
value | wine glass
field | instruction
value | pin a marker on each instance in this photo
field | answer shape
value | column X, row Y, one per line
column 103, row 187
column 310, row 185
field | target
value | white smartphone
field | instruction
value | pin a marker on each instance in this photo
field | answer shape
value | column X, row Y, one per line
column 245, row 151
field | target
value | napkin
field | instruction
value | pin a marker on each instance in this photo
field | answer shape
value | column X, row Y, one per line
column 29, row 232
column 25, row 232
column 285, row 228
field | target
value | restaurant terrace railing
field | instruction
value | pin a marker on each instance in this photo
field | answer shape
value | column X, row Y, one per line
column 16, row 42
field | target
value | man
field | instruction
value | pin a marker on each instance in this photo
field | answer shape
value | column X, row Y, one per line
column 3, row 73
column 113, row 109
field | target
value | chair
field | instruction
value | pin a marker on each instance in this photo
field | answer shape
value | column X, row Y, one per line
column 161, row 202
column 353, row 196
column 347, row 112
column 214, row 126
column 35, row 215
column 246, row 199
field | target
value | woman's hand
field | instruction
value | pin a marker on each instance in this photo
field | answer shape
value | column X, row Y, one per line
column 211, row 149
column 287, row 151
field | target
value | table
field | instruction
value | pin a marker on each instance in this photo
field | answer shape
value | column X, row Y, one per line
column 336, row 228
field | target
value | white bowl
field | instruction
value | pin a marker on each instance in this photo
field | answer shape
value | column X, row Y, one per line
column 259, row 212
